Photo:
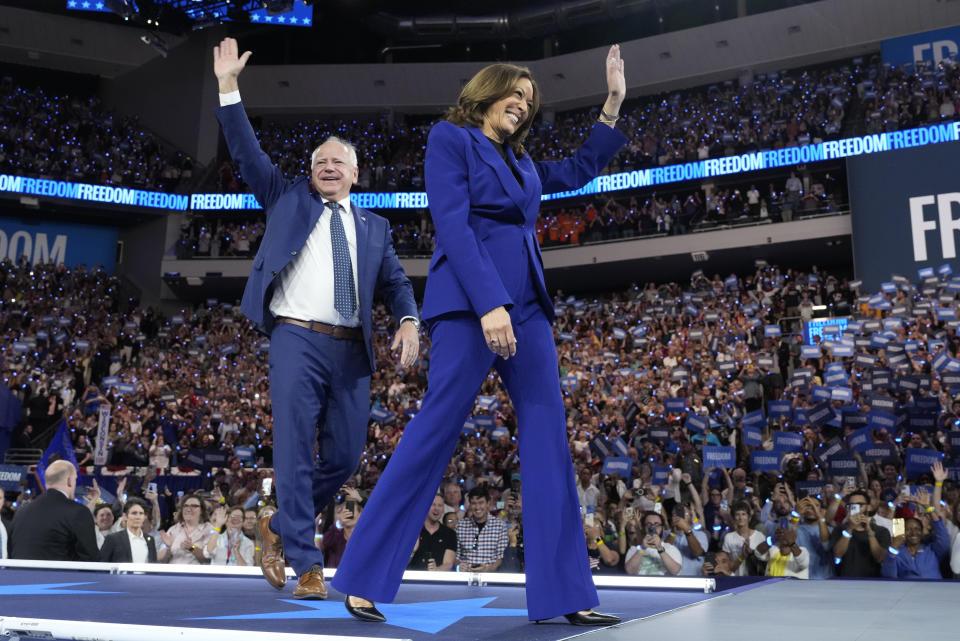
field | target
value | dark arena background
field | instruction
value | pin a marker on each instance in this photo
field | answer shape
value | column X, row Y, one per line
column 756, row 311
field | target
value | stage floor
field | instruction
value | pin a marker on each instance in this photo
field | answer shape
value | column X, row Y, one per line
column 790, row 609
column 438, row 612
column 793, row 610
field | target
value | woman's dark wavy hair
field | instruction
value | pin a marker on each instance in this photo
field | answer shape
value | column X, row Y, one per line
column 487, row 86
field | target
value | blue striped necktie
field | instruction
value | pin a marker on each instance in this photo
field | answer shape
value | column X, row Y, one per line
column 344, row 291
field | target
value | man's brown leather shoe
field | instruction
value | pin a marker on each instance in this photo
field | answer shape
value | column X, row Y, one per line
column 311, row 585
column 271, row 554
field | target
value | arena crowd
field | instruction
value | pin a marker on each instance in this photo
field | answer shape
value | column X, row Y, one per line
column 707, row 435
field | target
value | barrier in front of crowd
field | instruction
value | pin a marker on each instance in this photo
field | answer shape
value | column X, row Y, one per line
column 706, row 584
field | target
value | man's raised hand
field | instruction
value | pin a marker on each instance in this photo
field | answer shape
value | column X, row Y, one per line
column 227, row 64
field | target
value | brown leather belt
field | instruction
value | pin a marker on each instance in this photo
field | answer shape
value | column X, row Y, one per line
column 336, row 331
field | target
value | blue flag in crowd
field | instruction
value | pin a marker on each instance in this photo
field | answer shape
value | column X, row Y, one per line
column 61, row 447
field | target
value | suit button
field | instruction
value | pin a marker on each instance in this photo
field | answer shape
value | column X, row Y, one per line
column 272, row 273
column 293, row 253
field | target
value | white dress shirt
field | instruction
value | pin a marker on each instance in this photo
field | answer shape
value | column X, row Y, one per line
column 138, row 547
column 300, row 293
column 305, row 287
column 3, row 541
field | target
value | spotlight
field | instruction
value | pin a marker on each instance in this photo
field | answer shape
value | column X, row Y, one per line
column 123, row 8
column 155, row 42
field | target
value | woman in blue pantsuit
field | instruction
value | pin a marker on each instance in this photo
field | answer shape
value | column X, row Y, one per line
column 486, row 305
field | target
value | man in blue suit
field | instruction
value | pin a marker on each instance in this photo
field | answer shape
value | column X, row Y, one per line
column 311, row 290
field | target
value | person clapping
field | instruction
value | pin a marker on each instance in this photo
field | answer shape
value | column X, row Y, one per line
column 229, row 546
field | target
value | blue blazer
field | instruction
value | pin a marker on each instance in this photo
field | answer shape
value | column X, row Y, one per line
column 291, row 216
column 483, row 240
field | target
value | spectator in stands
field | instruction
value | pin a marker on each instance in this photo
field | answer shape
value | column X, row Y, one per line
column 587, row 491
column 909, row 557
column 782, row 555
column 185, row 541
column 436, row 548
column 131, row 544
column 453, row 499
column 105, row 522
column 859, row 544
column 741, row 542
column 692, row 542
column 653, row 556
column 336, row 536
column 229, row 545
column 481, row 538
column 53, row 527
column 813, row 533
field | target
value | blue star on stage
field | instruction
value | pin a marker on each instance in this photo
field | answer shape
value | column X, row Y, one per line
column 255, row 17
column 71, row 3
column 305, row 20
column 47, row 588
column 99, row 5
column 281, row 19
column 429, row 616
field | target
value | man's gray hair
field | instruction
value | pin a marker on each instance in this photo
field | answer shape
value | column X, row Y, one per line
column 351, row 150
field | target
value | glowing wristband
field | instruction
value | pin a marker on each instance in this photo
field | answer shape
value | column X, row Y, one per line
column 939, row 484
column 892, row 551
column 769, row 541
column 846, row 534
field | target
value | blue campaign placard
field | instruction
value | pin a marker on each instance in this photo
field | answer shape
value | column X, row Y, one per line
column 820, row 413
column 843, row 465
column 483, row 422
column 675, row 405
column 723, row 456
column 780, row 409
column 820, row 393
column 659, row 433
column 928, row 404
column 762, row 461
column 661, row 474
column 787, row 442
column 619, row 446
column 921, row 421
column 810, row 351
column 753, row 434
column 696, row 423
column 809, row 488
column 844, row 394
column 619, row 465
column 860, row 439
column 878, row 453
column 919, row 461
column 754, row 418
column 880, row 419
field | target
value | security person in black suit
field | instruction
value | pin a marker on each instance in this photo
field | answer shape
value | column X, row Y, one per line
column 54, row 527
column 131, row 544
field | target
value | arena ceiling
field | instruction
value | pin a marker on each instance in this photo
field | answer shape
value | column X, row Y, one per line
column 345, row 31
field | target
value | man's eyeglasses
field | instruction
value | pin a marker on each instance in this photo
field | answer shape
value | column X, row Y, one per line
column 192, row 505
